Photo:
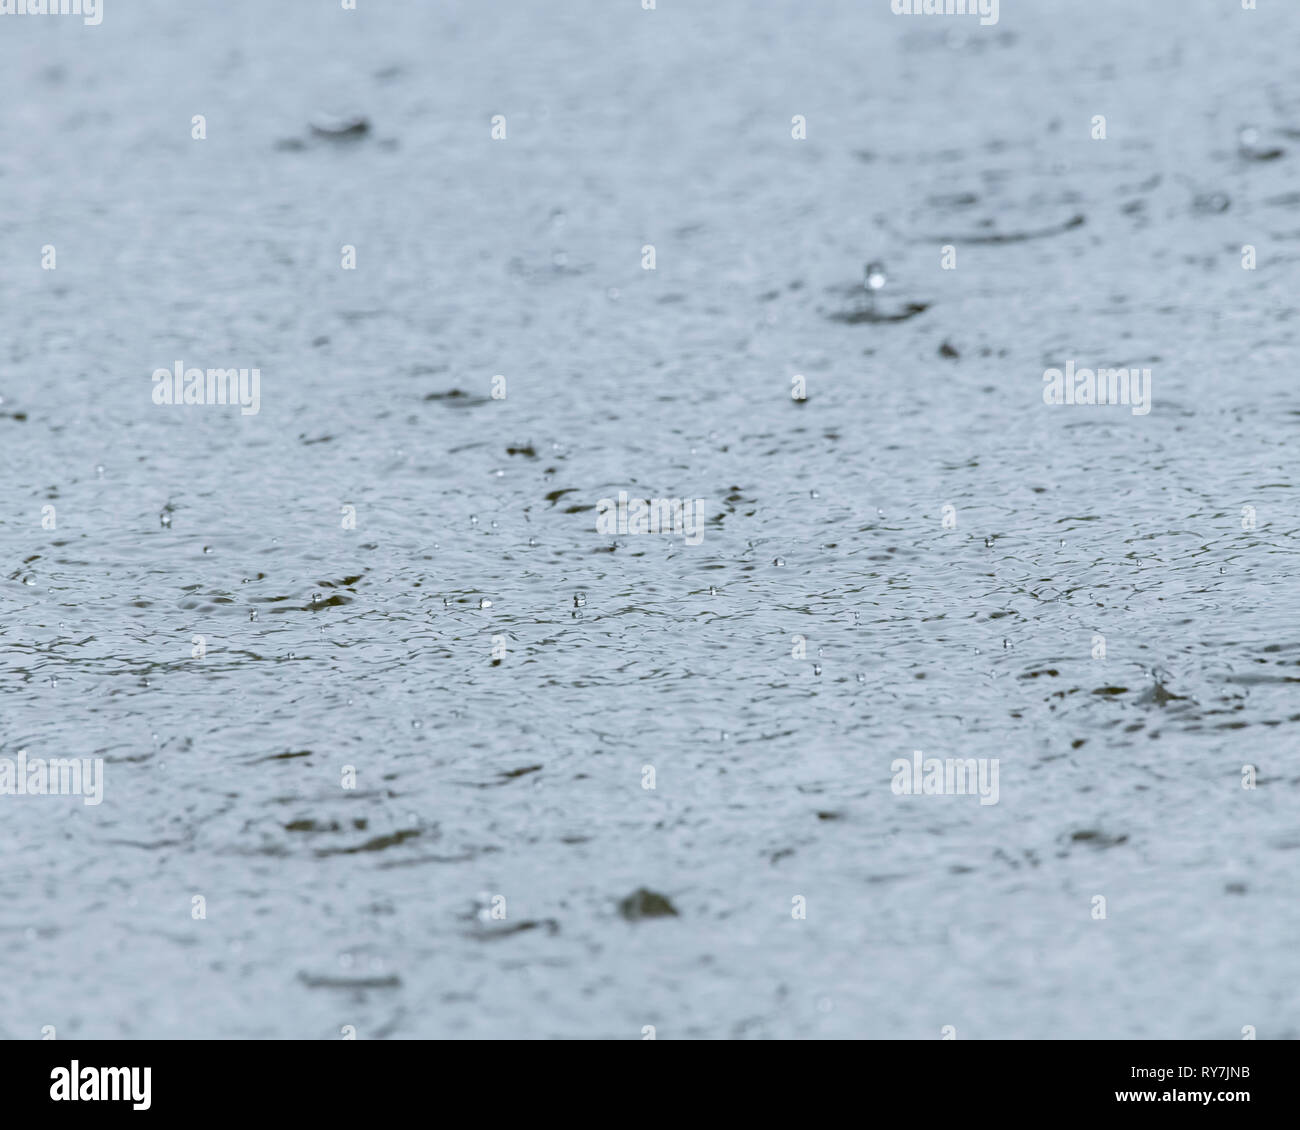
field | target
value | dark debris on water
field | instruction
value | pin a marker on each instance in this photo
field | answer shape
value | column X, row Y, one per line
column 643, row 903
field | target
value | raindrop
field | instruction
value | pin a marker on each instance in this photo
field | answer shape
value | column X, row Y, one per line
column 862, row 678
column 207, row 549
column 165, row 519
column 99, row 470
column 778, row 562
column 713, row 591
column 813, row 494
column 579, row 600
column 473, row 519
column 485, row 603
column 874, row 276
column 817, row 668
column 532, row 541
column 253, row 614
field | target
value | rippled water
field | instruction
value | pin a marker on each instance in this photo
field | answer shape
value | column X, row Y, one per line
column 520, row 778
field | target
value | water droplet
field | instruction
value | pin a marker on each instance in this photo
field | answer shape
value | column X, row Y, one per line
column 315, row 598
column 473, row 519
column 579, row 600
column 879, row 513
column 724, row 736
column 862, row 678
column 988, row 543
column 253, row 614
column 1006, row 643
column 532, row 542
column 713, row 591
column 779, row 562
column 874, row 277
column 99, row 470
column 207, row 549
column 293, row 655
column 165, row 519
column 495, row 526
column 417, row 724
column 813, row 494
column 817, row 668
column 485, row 603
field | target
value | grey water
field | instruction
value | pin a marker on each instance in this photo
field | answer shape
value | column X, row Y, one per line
column 376, row 702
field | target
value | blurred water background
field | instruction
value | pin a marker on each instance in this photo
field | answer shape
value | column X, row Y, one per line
column 372, row 647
